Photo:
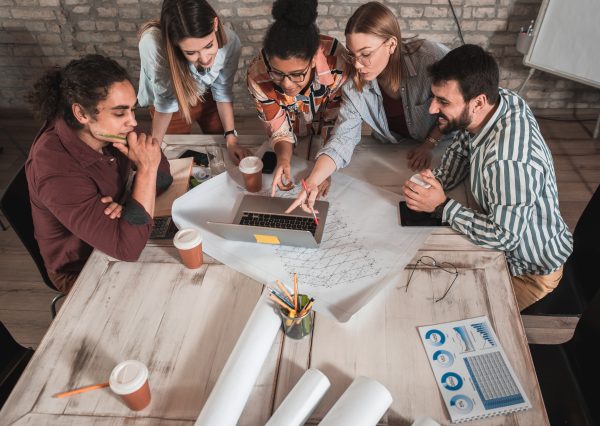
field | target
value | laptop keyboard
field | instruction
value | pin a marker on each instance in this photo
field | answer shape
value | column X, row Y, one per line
column 279, row 221
column 163, row 228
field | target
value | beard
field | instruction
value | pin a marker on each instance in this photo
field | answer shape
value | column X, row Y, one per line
column 461, row 123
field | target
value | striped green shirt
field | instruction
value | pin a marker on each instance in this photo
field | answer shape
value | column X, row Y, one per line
column 513, row 181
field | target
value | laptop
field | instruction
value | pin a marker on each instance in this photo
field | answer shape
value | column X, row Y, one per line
column 261, row 219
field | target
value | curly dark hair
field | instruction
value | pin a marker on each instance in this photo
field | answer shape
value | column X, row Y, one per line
column 84, row 81
column 294, row 34
column 475, row 70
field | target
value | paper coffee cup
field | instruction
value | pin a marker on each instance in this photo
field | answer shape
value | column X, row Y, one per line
column 251, row 168
column 129, row 380
column 189, row 243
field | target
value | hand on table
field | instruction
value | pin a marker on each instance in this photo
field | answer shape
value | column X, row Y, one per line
column 282, row 177
column 419, row 158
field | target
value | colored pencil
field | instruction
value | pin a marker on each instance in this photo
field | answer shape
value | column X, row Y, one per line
column 280, row 297
column 287, row 293
column 305, row 186
column 81, row 390
column 305, row 310
column 280, row 303
column 295, row 292
column 108, row 135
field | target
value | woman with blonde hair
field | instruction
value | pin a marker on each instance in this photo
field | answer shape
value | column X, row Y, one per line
column 390, row 91
column 188, row 64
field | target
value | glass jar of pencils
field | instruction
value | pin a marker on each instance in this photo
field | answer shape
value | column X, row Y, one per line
column 298, row 327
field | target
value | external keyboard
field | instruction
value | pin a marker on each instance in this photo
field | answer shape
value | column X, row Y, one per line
column 279, row 221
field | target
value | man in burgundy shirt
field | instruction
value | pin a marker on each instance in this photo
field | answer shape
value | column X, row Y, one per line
column 81, row 161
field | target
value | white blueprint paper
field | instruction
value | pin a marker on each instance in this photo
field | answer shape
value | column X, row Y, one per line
column 363, row 248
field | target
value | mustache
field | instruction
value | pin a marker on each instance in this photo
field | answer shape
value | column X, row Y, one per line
column 440, row 115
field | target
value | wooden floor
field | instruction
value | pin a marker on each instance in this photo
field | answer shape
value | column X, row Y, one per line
column 25, row 300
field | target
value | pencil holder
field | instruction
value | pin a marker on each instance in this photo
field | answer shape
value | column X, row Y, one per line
column 523, row 42
column 297, row 327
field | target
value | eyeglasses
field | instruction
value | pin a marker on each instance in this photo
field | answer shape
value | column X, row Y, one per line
column 364, row 59
column 295, row 77
column 432, row 263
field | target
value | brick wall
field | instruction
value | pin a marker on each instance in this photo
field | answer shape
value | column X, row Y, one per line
column 36, row 34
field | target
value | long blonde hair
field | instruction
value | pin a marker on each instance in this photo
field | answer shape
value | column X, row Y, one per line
column 180, row 19
column 376, row 19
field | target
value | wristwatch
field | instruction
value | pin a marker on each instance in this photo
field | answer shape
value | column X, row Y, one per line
column 230, row 132
column 439, row 210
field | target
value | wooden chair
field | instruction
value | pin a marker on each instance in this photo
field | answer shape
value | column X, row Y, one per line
column 13, row 360
column 16, row 207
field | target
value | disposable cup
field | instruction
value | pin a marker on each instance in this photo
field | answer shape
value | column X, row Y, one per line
column 188, row 242
column 251, row 169
column 129, row 380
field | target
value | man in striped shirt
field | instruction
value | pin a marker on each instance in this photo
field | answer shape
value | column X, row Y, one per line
column 499, row 145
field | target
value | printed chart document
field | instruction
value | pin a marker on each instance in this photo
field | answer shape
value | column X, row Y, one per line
column 471, row 370
column 363, row 249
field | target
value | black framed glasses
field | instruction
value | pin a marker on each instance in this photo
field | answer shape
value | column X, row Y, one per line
column 295, row 77
column 430, row 262
column 363, row 59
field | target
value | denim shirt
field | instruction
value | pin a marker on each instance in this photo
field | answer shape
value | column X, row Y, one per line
column 155, row 81
column 367, row 105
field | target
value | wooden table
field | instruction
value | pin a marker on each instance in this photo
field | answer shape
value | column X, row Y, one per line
column 184, row 323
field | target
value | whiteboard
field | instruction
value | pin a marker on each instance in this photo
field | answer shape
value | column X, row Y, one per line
column 566, row 40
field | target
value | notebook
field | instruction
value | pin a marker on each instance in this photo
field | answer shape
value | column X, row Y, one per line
column 471, row 370
column 261, row 219
column 164, row 227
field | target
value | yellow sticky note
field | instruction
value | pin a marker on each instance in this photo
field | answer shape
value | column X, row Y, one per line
column 266, row 239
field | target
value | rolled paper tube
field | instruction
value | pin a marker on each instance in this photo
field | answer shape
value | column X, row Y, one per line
column 228, row 397
column 302, row 400
column 425, row 421
column 363, row 404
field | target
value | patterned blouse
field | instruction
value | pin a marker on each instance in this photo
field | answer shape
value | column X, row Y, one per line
column 312, row 111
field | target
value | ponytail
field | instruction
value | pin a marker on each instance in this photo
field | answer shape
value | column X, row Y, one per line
column 45, row 97
column 84, row 81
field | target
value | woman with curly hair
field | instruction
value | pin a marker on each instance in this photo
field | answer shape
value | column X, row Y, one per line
column 295, row 81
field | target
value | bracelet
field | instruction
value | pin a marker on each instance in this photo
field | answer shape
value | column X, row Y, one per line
column 432, row 140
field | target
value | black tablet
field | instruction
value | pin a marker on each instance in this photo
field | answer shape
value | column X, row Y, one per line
column 410, row 217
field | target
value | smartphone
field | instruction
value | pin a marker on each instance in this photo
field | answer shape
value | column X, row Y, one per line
column 410, row 217
column 200, row 158
column 269, row 160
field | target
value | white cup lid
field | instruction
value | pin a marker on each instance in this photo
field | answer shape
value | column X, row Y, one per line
column 250, row 165
column 127, row 377
column 187, row 238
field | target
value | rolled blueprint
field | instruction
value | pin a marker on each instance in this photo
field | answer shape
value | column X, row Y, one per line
column 302, row 400
column 363, row 404
column 228, row 398
column 425, row 421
